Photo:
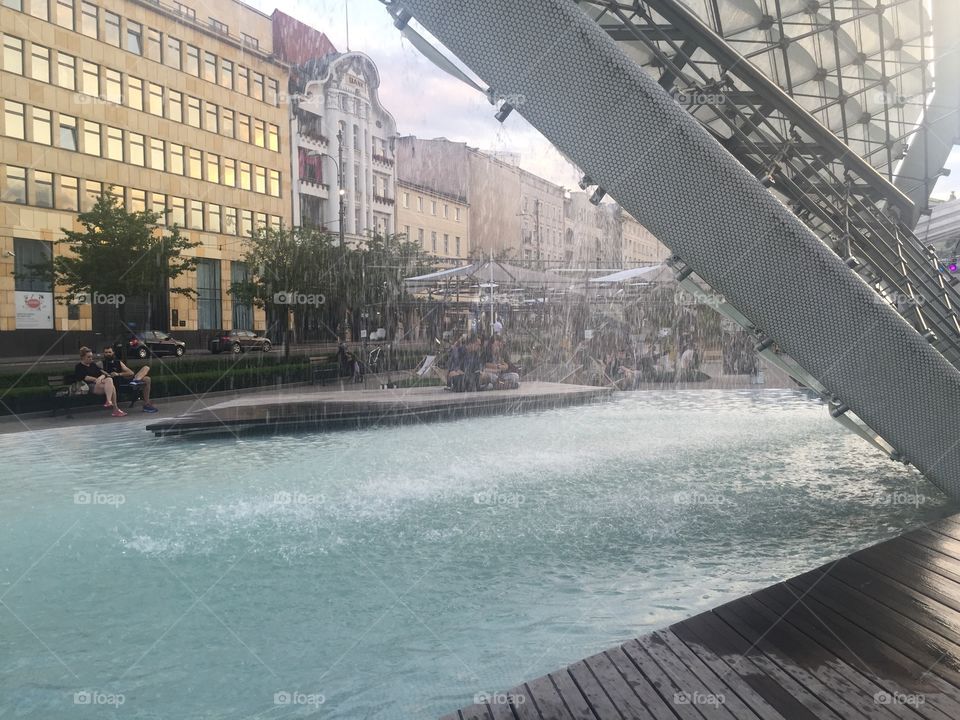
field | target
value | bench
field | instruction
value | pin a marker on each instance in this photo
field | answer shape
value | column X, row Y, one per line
column 321, row 371
column 60, row 387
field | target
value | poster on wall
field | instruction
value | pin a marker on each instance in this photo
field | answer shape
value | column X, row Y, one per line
column 34, row 310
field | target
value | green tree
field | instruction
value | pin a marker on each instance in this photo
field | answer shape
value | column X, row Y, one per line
column 119, row 253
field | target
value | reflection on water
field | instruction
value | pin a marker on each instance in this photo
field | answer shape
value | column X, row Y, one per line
column 394, row 572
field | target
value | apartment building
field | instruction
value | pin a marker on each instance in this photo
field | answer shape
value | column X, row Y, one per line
column 173, row 107
column 439, row 222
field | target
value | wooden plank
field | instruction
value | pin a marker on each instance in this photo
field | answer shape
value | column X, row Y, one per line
column 572, row 697
column 935, row 541
column 680, row 689
column 591, row 689
column 779, row 690
column 914, row 577
column 620, row 692
column 718, row 676
column 847, row 691
column 475, row 712
column 911, row 553
column 896, row 672
column 911, row 638
column 658, row 697
column 549, row 703
column 527, row 709
column 501, row 711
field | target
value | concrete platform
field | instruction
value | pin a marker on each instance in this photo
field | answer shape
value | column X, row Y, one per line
column 318, row 410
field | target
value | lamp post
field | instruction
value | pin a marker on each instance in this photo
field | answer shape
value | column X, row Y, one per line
column 338, row 163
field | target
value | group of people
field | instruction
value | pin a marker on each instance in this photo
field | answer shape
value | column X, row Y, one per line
column 477, row 365
column 104, row 380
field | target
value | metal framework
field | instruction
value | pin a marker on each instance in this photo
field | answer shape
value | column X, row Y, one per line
column 820, row 101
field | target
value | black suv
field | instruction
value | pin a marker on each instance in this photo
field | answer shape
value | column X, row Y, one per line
column 237, row 341
column 149, row 342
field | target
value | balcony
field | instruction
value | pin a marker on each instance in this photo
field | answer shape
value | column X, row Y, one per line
column 383, row 160
column 312, row 135
column 314, row 188
column 383, row 200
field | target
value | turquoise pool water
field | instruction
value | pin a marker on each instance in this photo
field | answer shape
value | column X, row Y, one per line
column 396, row 572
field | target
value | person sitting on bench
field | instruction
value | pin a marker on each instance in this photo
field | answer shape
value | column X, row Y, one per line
column 100, row 383
column 498, row 372
column 464, row 369
column 121, row 374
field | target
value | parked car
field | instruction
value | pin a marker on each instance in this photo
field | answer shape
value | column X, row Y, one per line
column 238, row 341
column 149, row 342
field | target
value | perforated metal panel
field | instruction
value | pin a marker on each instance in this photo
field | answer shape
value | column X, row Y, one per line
column 595, row 104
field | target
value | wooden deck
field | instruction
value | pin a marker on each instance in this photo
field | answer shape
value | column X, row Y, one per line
column 317, row 409
column 873, row 635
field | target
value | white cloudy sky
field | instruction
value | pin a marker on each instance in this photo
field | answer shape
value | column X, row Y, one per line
column 429, row 103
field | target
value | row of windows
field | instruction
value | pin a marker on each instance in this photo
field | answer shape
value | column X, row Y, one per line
column 63, row 192
column 433, row 207
column 101, row 24
column 433, row 241
column 102, row 84
column 70, row 133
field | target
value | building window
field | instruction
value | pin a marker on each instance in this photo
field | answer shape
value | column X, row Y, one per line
column 195, row 166
column 433, row 207
column 457, row 241
column 419, row 204
column 244, row 176
column 446, row 210
column 111, row 28
column 246, row 223
column 261, row 179
column 66, row 71
column 16, row 187
column 178, row 211
column 172, row 55
column 28, row 254
column 175, row 105
column 356, row 179
column 134, row 37
column 42, row 127
column 420, row 237
column 40, row 63
column 155, row 105
column 273, row 138
column 250, row 40
column 208, row 294
column 92, row 192
column 229, row 172
column 226, row 122
column 138, row 201
column 406, row 199
column 193, row 112
column 65, row 14
column 213, row 168
column 211, row 112
column 433, row 241
column 243, row 85
column 243, row 127
column 40, row 9
column 88, row 20
column 154, row 45
column 158, row 205
column 91, row 138
column 13, row 4
column 157, row 155
column 138, row 149
column 115, row 144
column 114, row 90
column 456, row 214
column 192, row 65
column 406, row 231
column 135, row 93
column 213, row 217
column 209, row 67
column 259, row 138
column 176, row 159
column 356, row 137
column 196, row 215
column 91, row 79
column 273, row 91
column 69, row 196
column 230, row 220
column 68, row 132
column 275, row 183
column 14, row 120
column 219, row 27
column 226, row 73
column 446, row 244
column 256, row 87
column 13, row 55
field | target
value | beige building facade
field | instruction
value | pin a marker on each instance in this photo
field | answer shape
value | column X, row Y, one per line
column 438, row 222
column 639, row 246
column 179, row 110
